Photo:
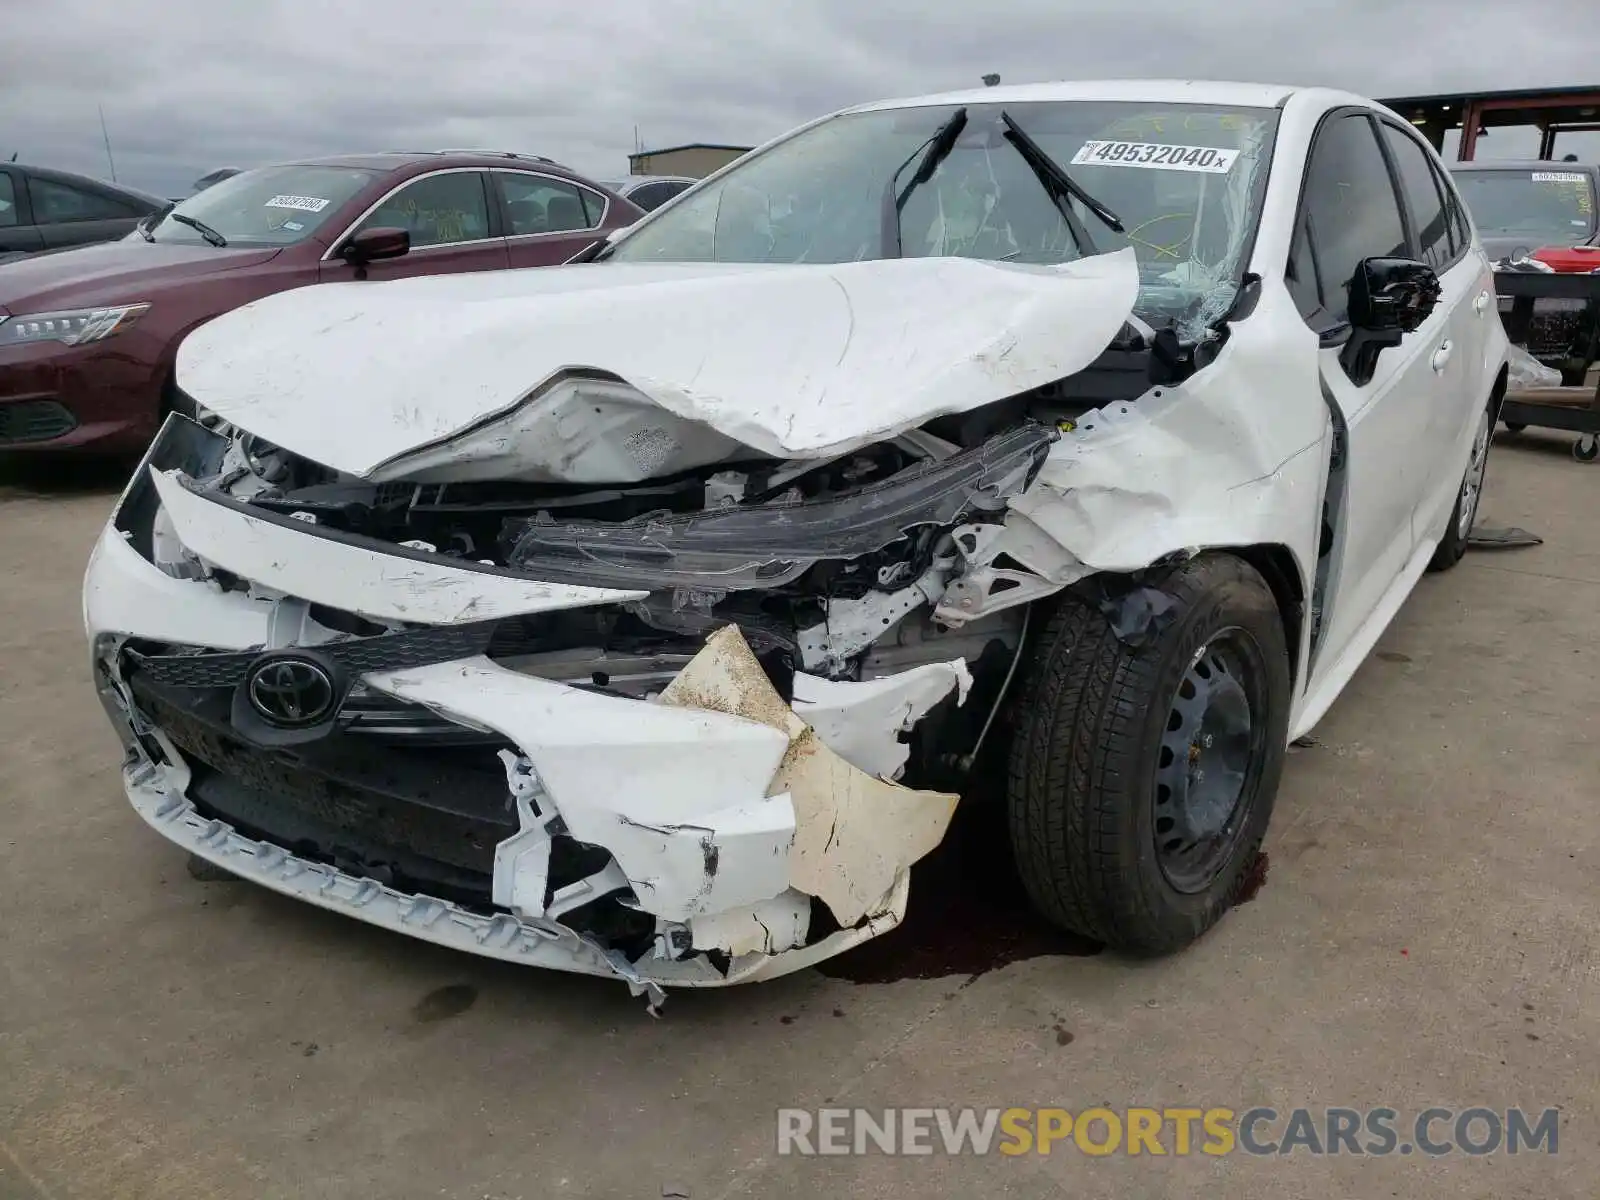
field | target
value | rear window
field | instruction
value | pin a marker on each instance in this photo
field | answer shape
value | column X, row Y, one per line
column 1544, row 204
column 271, row 206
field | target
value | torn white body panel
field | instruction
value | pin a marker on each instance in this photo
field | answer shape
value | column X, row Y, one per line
column 631, row 777
column 862, row 722
column 854, row 836
column 826, row 358
column 770, row 927
column 384, row 587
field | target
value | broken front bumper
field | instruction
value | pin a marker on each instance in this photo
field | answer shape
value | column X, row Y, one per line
column 731, row 839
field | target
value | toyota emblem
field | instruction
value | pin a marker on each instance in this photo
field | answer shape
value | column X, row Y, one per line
column 290, row 692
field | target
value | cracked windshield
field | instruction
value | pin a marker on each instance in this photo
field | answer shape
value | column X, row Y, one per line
column 1183, row 181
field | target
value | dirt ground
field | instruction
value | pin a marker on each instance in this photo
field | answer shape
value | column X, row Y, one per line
column 1426, row 936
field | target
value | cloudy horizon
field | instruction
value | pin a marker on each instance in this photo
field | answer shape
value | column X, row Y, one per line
column 187, row 87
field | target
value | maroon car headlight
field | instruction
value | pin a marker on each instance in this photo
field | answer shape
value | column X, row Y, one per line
column 73, row 327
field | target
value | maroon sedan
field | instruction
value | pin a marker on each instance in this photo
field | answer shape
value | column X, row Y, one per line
column 88, row 336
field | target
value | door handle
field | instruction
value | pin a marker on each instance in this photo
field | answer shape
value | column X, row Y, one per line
column 1441, row 356
column 1481, row 303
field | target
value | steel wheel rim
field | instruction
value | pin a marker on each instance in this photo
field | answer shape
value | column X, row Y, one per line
column 1472, row 485
column 1208, row 763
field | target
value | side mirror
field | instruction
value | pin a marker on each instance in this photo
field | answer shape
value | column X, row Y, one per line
column 1389, row 298
column 370, row 245
column 1392, row 295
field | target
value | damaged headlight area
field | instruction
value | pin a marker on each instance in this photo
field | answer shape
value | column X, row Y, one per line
column 813, row 559
column 883, row 530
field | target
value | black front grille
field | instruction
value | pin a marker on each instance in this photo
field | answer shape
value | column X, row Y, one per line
column 34, row 421
column 386, row 652
column 428, row 815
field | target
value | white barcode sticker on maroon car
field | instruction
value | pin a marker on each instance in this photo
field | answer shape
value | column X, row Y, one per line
column 303, row 203
column 1155, row 156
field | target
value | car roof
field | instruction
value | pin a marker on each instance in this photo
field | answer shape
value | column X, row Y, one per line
column 1521, row 164
column 1161, row 91
column 104, row 185
column 398, row 160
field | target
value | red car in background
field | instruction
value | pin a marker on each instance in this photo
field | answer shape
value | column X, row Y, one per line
column 88, row 336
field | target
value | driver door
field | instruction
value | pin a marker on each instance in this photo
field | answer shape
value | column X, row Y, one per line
column 1349, row 211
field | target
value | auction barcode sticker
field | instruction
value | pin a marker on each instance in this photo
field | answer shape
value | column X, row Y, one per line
column 1156, row 156
column 304, row 203
column 1558, row 177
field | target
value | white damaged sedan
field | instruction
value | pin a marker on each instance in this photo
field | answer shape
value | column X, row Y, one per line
column 648, row 616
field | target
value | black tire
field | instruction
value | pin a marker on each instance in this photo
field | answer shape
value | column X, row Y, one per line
column 1468, row 495
column 1574, row 376
column 1586, row 449
column 1515, row 426
column 1088, row 756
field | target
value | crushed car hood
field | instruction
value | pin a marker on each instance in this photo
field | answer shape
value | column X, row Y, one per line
column 678, row 364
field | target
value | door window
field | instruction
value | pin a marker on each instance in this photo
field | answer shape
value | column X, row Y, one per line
column 56, row 203
column 1431, row 225
column 1350, row 209
column 437, row 210
column 535, row 204
column 594, row 206
column 1460, row 228
column 653, row 195
column 8, row 200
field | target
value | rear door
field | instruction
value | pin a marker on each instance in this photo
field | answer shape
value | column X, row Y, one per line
column 17, row 230
column 548, row 220
column 452, row 223
column 1466, row 296
column 68, row 215
column 1349, row 211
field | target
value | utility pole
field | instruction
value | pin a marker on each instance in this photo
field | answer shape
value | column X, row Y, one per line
column 107, row 137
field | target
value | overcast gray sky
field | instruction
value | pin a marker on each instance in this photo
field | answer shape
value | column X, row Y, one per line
column 189, row 85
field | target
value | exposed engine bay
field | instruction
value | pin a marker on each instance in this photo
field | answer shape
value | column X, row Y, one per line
column 818, row 561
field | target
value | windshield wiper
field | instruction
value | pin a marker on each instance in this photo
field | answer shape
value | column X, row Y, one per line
column 150, row 220
column 1062, row 187
column 205, row 231
column 938, row 149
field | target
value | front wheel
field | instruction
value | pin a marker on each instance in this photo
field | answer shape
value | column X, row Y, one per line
column 1143, row 776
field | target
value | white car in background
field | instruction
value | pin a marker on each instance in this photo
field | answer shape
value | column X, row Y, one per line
column 648, row 617
column 650, row 192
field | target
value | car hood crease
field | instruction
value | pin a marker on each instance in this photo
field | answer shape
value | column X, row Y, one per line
column 794, row 361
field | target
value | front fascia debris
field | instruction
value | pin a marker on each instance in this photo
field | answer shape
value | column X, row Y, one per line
column 818, row 826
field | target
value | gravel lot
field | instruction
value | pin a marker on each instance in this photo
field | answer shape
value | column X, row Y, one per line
column 1426, row 935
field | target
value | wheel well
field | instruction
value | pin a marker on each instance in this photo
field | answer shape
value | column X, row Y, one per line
column 1277, row 566
column 1497, row 394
